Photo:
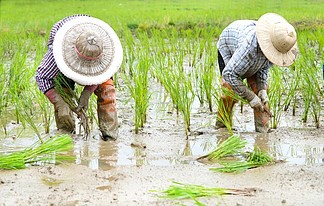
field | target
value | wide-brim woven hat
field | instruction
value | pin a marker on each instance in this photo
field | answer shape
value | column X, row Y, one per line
column 277, row 39
column 87, row 50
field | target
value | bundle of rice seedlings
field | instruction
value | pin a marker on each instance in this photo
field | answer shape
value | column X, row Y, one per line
column 225, row 116
column 256, row 158
column 260, row 157
column 183, row 191
column 51, row 150
column 70, row 97
column 190, row 191
column 235, row 167
column 230, row 146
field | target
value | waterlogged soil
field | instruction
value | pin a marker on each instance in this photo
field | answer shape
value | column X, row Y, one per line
column 131, row 169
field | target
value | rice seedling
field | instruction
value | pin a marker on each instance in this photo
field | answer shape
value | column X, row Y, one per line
column 224, row 116
column 225, row 112
column 45, row 109
column 92, row 111
column 310, row 86
column 187, row 149
column 256, row 158
column 40, row 100
column 198, row 82
column 27, row 113
column 3, row 94
column 191, row 191
column 194, row 60
column 235, row 167
column 130, row 50
column 70, row 97
column 231, row 146
column 21, row 94
column 136, row 75
column 173, row 74
column 276, row 94
column 176, row 68
column 259, row 156
column 209, row 76
column 185, row 101
column 17, row 80
column 16, row 60
column 53, row 150
column 204, row 74
column 292, row 88
column 178, row 85
column 137, row 84
column 169, row 40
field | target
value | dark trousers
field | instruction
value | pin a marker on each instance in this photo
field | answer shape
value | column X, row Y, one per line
column 221, row 62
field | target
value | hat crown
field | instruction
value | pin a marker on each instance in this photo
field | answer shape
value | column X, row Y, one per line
column 87, row 50
column 89, row 46
column 283, row 36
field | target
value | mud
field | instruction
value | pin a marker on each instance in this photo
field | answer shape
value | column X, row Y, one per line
column 125, row 171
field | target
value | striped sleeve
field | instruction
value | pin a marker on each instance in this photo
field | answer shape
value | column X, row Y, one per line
column 47, row 69
column 46, row 72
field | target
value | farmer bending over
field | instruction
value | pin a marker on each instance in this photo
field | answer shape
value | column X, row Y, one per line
column 87, row 51
column 246, row 50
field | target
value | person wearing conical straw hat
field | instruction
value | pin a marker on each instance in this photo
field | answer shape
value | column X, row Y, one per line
column 83, row 50
column 246, row 50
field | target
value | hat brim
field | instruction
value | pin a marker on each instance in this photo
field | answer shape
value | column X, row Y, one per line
column 83, row 79
column 263, row 26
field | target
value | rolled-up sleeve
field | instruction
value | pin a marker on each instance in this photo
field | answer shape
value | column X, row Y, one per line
column 47, row 69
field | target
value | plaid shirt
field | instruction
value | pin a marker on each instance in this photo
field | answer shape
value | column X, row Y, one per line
column 48, row 70
column 243, row 57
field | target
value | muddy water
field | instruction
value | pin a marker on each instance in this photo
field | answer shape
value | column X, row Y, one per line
column 97, row 154
column 90, row 153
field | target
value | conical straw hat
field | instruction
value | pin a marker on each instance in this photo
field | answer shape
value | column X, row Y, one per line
column 87, row 50
column 277, row 39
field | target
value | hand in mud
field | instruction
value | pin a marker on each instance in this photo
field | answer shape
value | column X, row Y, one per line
column 84, row 122
column 65, row 119
column 266, row 109
column 256, row 103
column 263, row 96
column 84, row 101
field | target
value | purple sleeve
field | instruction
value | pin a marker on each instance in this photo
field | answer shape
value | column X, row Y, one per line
column 46, row 72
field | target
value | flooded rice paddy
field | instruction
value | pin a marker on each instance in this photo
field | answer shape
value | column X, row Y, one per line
column 123, row 172
column 99, row 155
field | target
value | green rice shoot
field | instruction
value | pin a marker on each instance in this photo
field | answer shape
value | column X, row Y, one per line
column 183, row 191
column 259, row 156
column 256, row 158
column 191, row 191
column 236, row 167
column 52, row 150
column 71, row 97
column 231, row 146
